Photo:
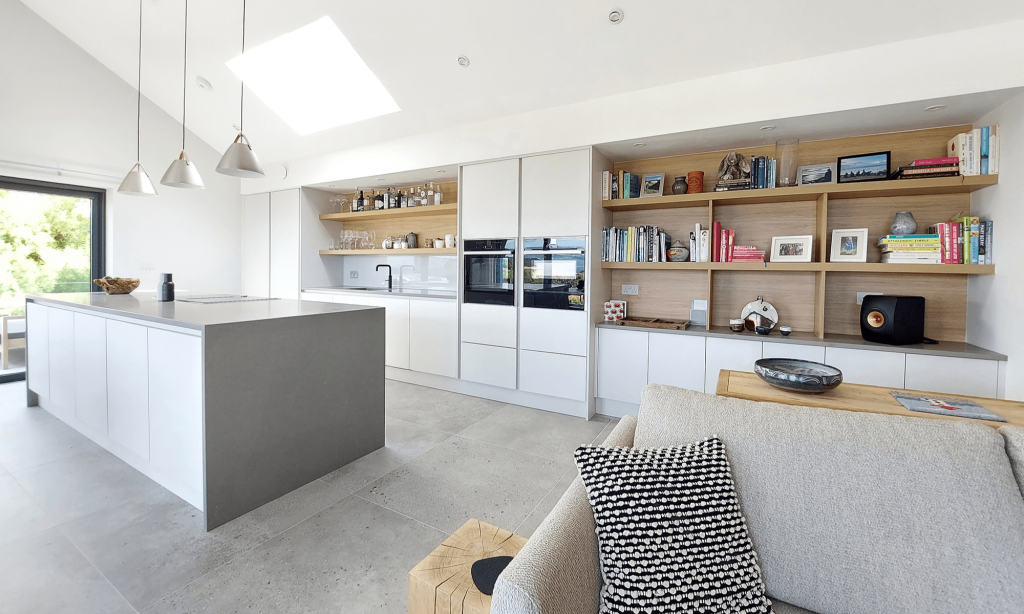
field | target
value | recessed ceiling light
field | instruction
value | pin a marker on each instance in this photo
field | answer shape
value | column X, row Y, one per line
column 203, row 84
column 331, row 186
column 616, row 16
column 381, row 179
column 440, row 171
column 767, row 128
column 639, row 144
column 935, row 107
column 308, row 76
column 463, row 61
column 236, row 127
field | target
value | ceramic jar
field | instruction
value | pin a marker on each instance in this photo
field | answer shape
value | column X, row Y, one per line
column 903, row 224
column 678, row 253
column 679, row 187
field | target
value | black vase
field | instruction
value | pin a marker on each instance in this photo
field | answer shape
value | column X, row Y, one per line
column 165, row 291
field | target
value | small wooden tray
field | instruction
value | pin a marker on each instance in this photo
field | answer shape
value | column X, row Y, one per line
column 654, row 323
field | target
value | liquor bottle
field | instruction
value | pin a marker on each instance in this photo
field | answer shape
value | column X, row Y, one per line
column 437, row 196
column 387, row 198
column 423, row 195
column 430, row 194
column 360, row 202
column 399, row 199
column 378, row 201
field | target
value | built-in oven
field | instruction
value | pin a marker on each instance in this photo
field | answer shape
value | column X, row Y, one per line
column 490, row 270
column 553, row 273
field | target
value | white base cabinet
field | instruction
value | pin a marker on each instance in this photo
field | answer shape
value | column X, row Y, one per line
column 553, row 330
column 128, row 386
column 556, row 375
column 91, row 374
column 815, row 353
column 434, row 337
column 37, row 348
column 730, row 354
column 621, row 364
column 489, row 364
column 489, row 325
column 61, row 324
column 952, row 375
column 676, row 360
column 884, row 369
column 396, row 329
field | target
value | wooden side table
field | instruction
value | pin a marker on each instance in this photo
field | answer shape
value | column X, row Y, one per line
column 442, row 582
column 857, row 397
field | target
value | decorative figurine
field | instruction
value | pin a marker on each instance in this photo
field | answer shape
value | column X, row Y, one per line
column 903, row 224
column 734, row 166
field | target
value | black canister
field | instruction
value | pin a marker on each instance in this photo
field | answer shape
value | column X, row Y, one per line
column 165, row 291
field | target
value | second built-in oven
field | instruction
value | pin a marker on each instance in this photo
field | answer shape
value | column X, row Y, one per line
column 553, row 273
column 489, row 270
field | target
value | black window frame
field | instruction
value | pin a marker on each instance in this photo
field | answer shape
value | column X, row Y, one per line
column 97, row 224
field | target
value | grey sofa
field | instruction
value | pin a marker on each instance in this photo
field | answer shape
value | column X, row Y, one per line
column 849, row 512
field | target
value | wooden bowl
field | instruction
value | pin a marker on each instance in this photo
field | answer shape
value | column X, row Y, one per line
column 117, row 285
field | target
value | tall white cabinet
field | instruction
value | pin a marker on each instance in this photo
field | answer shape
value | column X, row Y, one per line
column 556, row 194
column 489, row 205
column 273, row 237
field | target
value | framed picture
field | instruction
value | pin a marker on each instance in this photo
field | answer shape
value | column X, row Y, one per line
column 813, row 174
column 792, row 249
column 652, row 184
column 865, row 167
column 849, row 245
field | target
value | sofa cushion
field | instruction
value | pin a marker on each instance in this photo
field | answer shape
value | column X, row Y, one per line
column 670, row 533
column 1014, row 437
column 781, row 607
column 860, row 513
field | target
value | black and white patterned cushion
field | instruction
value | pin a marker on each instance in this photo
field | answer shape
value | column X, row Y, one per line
column 670, row 531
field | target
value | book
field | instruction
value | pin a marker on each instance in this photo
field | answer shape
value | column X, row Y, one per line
column 974, row 240
column 716, row 241
column 925, row 170
column 622, row 184
column 982, row 242
column 704, row 246
column 988, row 238
column 927, row 238
column 729, row 251
column 606, row 185
column 993, row 150
column 974, row 142
column 693, row 246
column 615, row 187
column 946, row 406
column 955, row 161
column 930, row 175
column 956, row 147
column 984, row 150
column 731, row 188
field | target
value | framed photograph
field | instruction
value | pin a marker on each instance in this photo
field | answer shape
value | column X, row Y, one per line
column 652, row 184
column 849, row 245
column 792, row 249
column 865, row 167
column 813, row 174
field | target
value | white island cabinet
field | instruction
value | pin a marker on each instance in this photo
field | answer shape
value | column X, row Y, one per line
column 185, row 394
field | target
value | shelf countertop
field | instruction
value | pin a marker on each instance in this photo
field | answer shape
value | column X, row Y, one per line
column 413, row 293
column 953, row 349
column 196, row 316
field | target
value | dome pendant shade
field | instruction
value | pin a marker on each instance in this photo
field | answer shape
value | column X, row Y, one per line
column 240, row 160
column 182, row 173
column 137, row 183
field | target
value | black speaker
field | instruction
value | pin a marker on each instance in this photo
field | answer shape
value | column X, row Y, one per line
column 894, row 320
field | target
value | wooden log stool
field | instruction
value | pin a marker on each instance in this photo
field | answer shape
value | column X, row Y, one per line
column 442, row 582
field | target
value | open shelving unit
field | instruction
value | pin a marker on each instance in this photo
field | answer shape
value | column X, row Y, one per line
column 817, row 297
column 428, row 222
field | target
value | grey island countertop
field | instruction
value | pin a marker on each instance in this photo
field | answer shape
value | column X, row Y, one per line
column 144, row 306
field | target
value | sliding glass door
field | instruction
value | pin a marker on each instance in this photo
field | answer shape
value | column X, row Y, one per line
column 51, row 240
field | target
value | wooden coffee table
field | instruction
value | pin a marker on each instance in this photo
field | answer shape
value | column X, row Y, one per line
column 442, row 582
column 857, row 397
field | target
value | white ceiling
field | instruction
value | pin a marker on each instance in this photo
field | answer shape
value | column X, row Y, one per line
column 525, row 55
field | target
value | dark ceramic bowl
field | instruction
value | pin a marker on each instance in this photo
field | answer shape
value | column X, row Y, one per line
column 798, row 375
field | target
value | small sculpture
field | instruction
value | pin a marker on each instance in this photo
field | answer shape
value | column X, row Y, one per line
column 903, row 224
column 678, row 253
column 760, row 316
column 734, row 166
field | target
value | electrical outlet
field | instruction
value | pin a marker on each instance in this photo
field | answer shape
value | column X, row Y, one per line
column 861, row 295
column 148, row 267
column 631, row 289
column 353, row 274
column 698, row 304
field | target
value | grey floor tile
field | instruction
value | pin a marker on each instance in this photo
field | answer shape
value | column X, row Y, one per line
column 150, row 547
column 541, row 433
column 408, row 439
column 19, row 515
column 74, row 487
column 352, row 557
column 606, row 431
column 464, row 478
column 284, row 512
column 528, row 526
column 438, row 409
column 40, row 440
column 46, row 573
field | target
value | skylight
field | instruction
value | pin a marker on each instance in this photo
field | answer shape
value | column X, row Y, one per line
column 313, row 79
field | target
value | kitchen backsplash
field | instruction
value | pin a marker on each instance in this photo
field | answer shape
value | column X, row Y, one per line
column 419, row 271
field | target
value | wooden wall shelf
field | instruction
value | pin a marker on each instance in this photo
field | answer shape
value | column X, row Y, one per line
column 417, row 251
column 832, row 267
column 834, row 191
column 393, row 214
column 816, row 298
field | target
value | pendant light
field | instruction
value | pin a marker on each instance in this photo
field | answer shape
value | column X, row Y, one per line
column 240, row 160
column 137, row 181
column 182, row 173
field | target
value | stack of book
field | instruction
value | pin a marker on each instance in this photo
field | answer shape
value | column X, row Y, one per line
column 620, row 185
column 635, row 244
column 747, row 253
column 977, row 151
column 762, row 175
column 930, row 167
column 911, row 249
column 965, row 240
column 728, row 185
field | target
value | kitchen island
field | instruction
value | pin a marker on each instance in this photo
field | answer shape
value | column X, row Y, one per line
column 229, row 405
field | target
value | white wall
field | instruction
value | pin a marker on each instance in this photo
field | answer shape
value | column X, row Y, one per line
column 60, row 107
column 994, row 303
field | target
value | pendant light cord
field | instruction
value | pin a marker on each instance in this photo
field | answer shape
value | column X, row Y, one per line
column 241, row 104
column 184, row 79
column 138, row 116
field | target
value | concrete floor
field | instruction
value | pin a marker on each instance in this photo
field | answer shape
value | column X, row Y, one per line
column 82, row 532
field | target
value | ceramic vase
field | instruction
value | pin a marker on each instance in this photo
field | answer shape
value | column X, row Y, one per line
column 786, row 155
column 903, row 224
column 695, row 181
column 678, row 253
column 679, row 187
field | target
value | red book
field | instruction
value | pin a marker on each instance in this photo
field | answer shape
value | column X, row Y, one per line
column 729, row 249
column 936, row 161
column 956, row 241
column 716, row 238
